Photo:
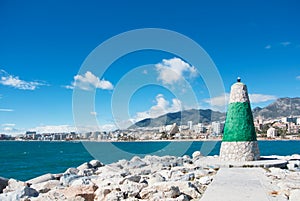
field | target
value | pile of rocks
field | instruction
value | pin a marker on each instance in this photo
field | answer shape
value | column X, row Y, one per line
column 284, row 184
column 148, row 178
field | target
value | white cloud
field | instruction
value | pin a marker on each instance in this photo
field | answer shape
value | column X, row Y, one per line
column 6, row 110
column 268, row 47
column 15, row 82
column 298, row 77
column 8, row 125
column 223, row 100
column 161, row 107
column 173, row 70
column 54, row 129
column 8, row 129
column 218, row 101
column 260, row 98
column 286, row 43
column 89, row 81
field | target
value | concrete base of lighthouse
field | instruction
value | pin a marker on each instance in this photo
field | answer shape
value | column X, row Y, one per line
column 239, row 151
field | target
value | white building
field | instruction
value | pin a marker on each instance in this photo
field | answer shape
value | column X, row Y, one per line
column 190, row 125
column 217, row 127
column 271, row 132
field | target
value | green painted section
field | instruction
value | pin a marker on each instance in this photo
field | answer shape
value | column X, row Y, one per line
column 239, row 123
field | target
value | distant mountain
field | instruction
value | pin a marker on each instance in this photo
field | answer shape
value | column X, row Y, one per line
column 280, row 108
column 181, row 118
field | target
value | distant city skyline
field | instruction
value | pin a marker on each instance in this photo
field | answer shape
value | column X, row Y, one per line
column 43, row 45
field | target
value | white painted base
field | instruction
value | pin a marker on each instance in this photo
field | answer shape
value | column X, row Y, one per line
column 239, row 151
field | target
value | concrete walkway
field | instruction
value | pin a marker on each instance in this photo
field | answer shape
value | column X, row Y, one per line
column 237, row 184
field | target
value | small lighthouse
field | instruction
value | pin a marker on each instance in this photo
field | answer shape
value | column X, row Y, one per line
column 239, row 141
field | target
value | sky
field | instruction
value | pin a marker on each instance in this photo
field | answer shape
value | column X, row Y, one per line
column 44, row 44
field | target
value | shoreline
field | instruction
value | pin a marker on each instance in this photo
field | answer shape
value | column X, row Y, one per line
column 165, row 140
column 148, row 178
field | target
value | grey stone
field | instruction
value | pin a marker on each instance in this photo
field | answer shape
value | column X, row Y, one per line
column 3, row 183
column 134, row 178
column 96, row 163
column 81, row 181
column 205, row 180
column 84, row 166
column 173, row 192
column 14, row 185
column 196, row 155
column 71, row 171
column 40, row 179
column 183, row 198
column 66, row 179
column 46, row 186
column 136, row 162
column 23, row 192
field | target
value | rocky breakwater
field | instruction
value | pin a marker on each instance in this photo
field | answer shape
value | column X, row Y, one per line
column 284, row 184
column 148, row 178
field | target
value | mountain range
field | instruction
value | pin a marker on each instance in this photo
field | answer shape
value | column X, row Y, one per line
column 279, row 108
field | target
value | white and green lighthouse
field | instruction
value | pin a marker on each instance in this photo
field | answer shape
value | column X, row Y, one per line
column 239, row 140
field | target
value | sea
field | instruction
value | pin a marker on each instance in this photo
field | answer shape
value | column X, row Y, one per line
column 24, row 160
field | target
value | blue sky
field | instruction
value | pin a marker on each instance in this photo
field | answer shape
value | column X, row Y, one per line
column 44, row 43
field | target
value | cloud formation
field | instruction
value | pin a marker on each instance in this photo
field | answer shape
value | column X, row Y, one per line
column 89, row 81
column 286, row 43
column 260, row 98
column 268, row 47
column 6, row 110
column 171, row 71
column 8, row 125
column 298, row 77
column 161, row 107
column 15, row 82
column 223, row 100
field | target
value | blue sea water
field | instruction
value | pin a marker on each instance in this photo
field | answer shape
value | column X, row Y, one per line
column 24, row 160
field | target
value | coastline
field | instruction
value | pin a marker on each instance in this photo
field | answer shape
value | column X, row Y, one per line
column 149, row 178
column 164, row 140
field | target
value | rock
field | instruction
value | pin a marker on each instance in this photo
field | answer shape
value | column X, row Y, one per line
column 196, row 155
column 114, row 196
column 295, row 157
column 295, row 162
column 17, row 194
column 3, row 183
column 291, row 166
column 147, row 192
column 86, row 192
column 155, row 178
column 188, row 177
column 46, row 186
column 136, row 162
column 134, row 178
column 71, row 171
column 40, row 179
column 183, row 198
column 96, row 163
column 132, row 189
column 81, row 181
column 294, row 195
column 84, row 166
column 205, row 180
column 14, row 185
column 200, row 173
column 86, row 172
column 66, row 179
column 173, row 192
